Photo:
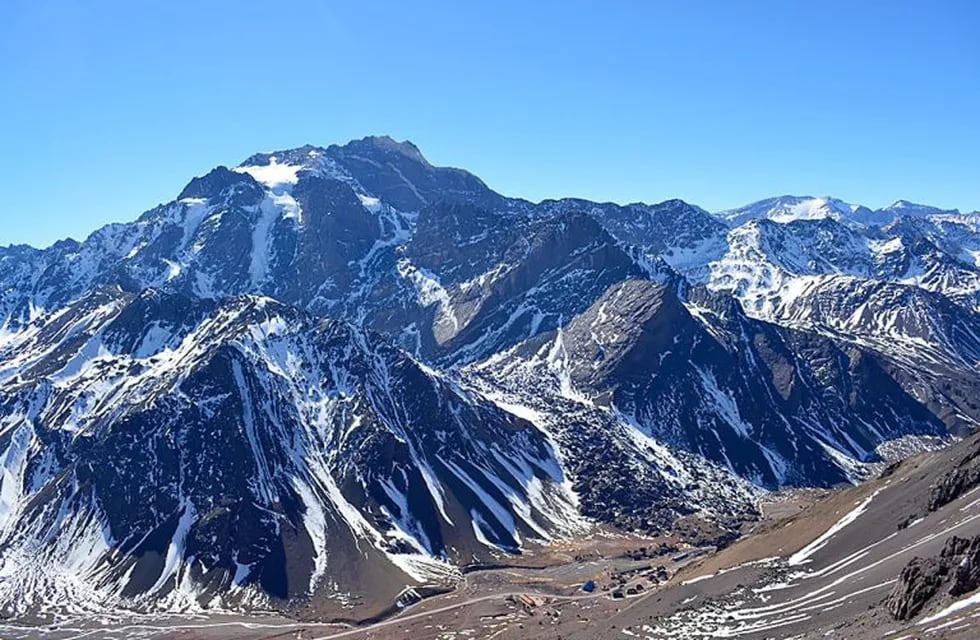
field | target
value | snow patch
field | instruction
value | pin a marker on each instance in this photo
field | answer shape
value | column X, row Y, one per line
column 273, row 174
column 806, row 552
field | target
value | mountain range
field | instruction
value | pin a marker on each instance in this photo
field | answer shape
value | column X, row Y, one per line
column 329, row 378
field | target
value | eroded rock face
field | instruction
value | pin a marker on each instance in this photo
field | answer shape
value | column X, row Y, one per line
column 955, row 571
column 961, row 478
column 966, row 577
column 919, row 581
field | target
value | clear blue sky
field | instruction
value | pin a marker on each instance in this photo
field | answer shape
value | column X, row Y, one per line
column 108, row 108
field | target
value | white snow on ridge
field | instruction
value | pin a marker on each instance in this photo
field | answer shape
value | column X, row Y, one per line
column 261, row 240
column 811, row 209
column 370, row 203
column 273, row 175
column 195, row 213
column 890, row 245
column 13, row 465
column 431, row 292
column 788, row 208
column 173, row 269
column 723, row 403
column 175, row 551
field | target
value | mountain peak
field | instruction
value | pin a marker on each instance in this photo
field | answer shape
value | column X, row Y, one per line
column 280, row 169
column 904, row 207
column 787, row 208
column 307, row 154
column 215, row 181
column 677, row 203
column 900, row 204
column 386, row 144
column 310, row 156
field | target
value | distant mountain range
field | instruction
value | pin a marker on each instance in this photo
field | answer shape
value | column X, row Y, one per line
column 790, row 208
column 327, row 376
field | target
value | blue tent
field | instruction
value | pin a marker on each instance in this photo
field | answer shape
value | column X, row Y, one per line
column 589, row 586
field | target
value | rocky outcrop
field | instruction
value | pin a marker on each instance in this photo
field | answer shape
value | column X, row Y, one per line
column 955, row 571
column 960, row 479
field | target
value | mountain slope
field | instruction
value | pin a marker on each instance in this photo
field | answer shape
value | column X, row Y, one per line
column 772, row 405
column 184, row 451
column 848, row 566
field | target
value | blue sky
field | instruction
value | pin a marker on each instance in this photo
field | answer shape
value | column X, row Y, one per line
column 108, row 108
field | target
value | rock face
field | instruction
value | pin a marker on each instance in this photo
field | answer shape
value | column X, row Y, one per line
column 487, row 284
column 337, row 371
column 963, row 477
column 955, row 571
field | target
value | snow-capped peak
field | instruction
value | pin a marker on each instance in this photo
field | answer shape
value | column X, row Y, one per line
column 905, row 208
column 790, row 208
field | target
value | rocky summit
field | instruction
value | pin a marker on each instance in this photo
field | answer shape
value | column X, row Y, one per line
column 330, row 379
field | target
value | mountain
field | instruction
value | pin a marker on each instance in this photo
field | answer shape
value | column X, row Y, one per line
column 297, row 225
column 329, row 378
column 955, row 234
column 790, row 208
column 673, row 232
column 765, row 261
column 695, row 373
column 904, row 208
column 182, row 451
